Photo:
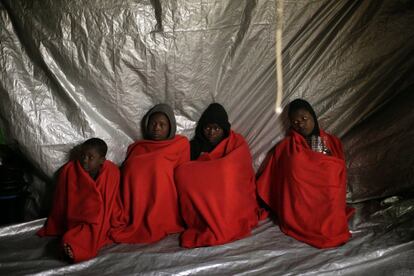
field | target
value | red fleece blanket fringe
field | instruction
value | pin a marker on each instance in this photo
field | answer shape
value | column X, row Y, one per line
column 82, row 208
column 217, row 195
column 307, row 191
column 149, row 194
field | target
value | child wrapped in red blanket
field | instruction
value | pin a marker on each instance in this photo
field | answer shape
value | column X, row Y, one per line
column 85, row 199
column 149, row 194
column 217, row 190
column 304, row 182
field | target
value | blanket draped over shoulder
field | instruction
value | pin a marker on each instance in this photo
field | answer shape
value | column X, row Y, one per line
column 82, row 208
column 307, row 191
column 217, row 194
column 149, row 195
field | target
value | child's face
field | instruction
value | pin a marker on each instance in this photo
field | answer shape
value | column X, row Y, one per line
column 302, row 121
column 158, row 127
column 91, row 160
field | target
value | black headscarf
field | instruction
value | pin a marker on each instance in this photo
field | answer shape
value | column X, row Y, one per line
column 214, row 114
column 302, row 104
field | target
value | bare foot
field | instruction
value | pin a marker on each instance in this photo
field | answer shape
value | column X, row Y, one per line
column 68, row 250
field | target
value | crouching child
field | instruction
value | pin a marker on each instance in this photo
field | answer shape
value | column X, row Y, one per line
column 85, row 202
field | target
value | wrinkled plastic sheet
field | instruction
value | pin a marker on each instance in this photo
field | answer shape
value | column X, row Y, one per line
column 382, row 243
column 70, row 70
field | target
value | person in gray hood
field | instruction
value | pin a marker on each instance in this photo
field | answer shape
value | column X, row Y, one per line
column 159, row 123
column 149, row 196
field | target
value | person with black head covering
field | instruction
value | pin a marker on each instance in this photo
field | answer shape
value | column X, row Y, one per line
column 149, row 196
column 211, row 129
column 304, row 182
column 303, row 120
column 217, row 190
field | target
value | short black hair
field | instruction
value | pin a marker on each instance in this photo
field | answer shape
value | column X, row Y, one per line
column 98, row 144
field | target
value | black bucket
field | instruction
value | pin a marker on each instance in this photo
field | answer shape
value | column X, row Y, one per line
column 13, row 195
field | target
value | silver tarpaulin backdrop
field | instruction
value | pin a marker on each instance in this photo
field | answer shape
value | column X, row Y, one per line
column 72, row 70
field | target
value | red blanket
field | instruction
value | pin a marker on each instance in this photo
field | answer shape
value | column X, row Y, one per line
column 217, row 195
column 307, row 191
column 82, row 208
column 149, row 194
